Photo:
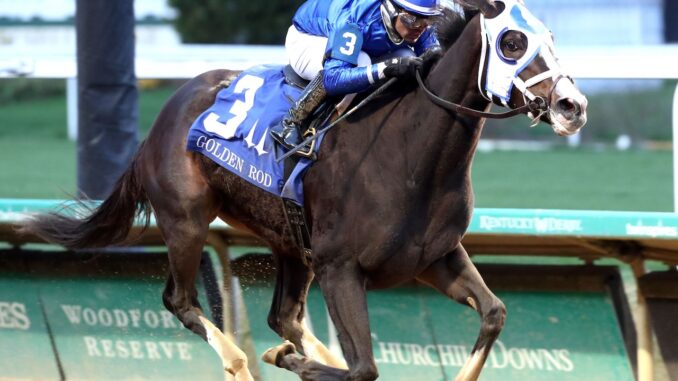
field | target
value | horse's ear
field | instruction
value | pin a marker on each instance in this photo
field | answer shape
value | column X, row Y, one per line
column 487, row 7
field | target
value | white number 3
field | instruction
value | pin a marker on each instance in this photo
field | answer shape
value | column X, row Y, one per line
column 248, row 84
column 350, row 43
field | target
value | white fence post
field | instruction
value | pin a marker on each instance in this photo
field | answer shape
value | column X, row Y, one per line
column 574, row 141
column 72, row 107
column 675, row 150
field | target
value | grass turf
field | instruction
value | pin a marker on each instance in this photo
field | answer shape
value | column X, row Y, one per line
column 575, row 179
column 37, row 161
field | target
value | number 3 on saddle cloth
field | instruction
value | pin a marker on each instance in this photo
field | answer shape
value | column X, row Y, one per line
column 233, row 132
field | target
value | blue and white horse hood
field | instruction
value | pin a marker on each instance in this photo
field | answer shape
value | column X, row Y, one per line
column 501, row 71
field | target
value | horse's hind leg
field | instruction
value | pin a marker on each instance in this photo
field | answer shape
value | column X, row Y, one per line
column 184, row 225
column 456, row 276
column 233, row 358
column 286, row 316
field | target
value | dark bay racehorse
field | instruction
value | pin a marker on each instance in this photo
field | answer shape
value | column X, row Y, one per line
column 389, row 200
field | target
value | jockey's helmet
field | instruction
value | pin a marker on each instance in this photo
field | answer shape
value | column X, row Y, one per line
column 422, row 8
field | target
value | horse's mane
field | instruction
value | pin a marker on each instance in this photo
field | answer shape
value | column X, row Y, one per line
column 450, row 25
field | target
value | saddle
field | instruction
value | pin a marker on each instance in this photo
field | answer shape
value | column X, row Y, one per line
column 294, row 79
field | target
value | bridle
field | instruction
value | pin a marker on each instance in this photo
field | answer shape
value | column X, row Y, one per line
column 534, row 106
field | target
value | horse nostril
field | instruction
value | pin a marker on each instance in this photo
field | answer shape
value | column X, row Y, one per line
column 568, row 106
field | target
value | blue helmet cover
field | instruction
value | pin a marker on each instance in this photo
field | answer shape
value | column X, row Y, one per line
column 420, row 7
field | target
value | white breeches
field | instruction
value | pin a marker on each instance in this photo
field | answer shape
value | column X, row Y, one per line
column 305, row 53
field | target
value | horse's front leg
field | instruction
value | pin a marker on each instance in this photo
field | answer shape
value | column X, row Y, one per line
column 343, row 287
column 455, row 276
column 286, row 316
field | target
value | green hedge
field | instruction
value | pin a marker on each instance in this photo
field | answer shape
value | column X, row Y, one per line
column 234, row 21
column 25, row 89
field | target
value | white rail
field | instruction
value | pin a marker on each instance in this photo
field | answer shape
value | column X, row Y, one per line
column 182, row 61
column 675, row 148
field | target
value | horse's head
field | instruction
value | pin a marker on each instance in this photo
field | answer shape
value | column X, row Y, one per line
column 518, row 65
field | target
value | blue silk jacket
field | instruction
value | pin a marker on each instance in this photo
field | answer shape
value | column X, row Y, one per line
column 352, row 26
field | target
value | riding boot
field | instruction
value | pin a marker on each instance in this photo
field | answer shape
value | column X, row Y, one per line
column 289, row 132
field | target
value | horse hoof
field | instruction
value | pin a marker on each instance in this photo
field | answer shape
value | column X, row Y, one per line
column 273, row 355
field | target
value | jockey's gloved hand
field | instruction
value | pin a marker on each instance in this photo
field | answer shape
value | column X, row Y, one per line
column 430, row 57
column 402, row 67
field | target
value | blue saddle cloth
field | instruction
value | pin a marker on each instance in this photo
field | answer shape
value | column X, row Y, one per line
column 233, row 132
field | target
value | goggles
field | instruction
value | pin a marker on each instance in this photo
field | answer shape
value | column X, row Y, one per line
column 411, row 21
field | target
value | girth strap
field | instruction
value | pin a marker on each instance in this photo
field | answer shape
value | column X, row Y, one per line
column 296, row 219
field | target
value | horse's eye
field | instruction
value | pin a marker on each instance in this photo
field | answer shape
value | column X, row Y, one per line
column 513, row 45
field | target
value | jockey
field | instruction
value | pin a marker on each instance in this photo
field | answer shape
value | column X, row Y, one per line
column 332, row 44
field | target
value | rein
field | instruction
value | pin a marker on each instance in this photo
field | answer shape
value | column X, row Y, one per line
column 533, row 105
column 538, row 104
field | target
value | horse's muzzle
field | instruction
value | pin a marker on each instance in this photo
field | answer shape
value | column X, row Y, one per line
column 567, row 109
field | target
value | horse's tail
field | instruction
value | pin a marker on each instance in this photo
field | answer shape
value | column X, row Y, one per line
column 107, row 224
